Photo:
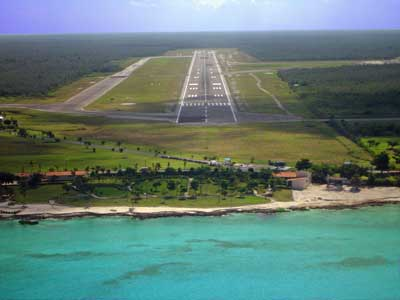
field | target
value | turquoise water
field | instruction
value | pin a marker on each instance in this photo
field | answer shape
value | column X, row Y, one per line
column 351, row 254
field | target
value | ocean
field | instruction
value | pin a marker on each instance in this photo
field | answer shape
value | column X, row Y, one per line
column 332, row 255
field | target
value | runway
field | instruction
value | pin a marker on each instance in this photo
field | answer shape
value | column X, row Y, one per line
column 205, row 96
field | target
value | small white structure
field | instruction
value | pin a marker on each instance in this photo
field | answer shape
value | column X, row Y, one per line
column 2, row 118
column 301, row 182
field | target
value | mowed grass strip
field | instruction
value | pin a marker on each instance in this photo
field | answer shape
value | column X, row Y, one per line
column 278, row 65
column 261, row 142
column 250, row 98
column 283, row 141
column 29, row 155
column 155, row 87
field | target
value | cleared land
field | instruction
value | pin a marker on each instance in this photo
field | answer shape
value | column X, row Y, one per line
column 273, row 66
column 116, row 197
column 155, row 87
column 33, row 155
column 251, row 98
column 290, row 141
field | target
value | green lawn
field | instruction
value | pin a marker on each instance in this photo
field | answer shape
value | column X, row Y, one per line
column 201, row 202
column 274, row 66
column 283, row 195
column 20, row 154
column 44, row 193
column 251, row 98
column 287, row 141
column 155, row 87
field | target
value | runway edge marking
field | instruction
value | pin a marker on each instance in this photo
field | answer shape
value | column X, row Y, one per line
column 227, row 92
column 185, row 86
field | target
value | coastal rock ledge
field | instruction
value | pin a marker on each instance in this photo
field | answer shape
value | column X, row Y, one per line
column 316, row 197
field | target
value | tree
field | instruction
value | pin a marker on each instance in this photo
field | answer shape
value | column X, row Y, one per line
column 393, row 144
column 34, row 181
column 251, row 185
column 303, row 164
column 194, row 184
column 381, row 161
column 157, row 184
column 171, row 185
column 22, row 133
column 356, row 181
column 6, row 178
column 23, row 187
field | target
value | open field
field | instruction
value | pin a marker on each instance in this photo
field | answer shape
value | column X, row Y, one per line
column 155, row 87
column 273, row 66
column 44, row 193
column 348, row 91
column 251, row 98
column 290, row 141
column 26, row 154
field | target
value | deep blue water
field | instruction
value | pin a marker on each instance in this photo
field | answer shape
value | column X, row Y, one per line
column 343, row 255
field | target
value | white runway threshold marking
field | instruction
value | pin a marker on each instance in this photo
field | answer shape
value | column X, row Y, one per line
column 189, row 99
column 186, row 86
column 228, row 94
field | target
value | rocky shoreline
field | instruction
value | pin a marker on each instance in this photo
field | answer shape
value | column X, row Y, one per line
column 218, row 212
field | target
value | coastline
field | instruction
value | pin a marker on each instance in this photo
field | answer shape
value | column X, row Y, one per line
column 315, row 197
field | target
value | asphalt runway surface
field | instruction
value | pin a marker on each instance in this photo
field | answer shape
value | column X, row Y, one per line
column 205, row 97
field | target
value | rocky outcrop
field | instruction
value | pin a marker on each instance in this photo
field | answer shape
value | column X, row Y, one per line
column 331, row 205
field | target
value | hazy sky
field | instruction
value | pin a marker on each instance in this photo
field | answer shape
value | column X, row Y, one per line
column 71, row 16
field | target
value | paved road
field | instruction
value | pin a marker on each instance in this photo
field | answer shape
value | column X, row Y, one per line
column 205, row 96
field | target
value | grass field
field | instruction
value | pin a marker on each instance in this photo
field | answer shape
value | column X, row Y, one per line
column 289, row 142
column 155, row 87
column 273, row 66
column 250, row 98
column 32, row 155
column 111, row 197
column 283, row 195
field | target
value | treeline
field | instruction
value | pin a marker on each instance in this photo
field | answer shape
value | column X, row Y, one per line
column 35, row 65
column 362, row 90
column 371, row 129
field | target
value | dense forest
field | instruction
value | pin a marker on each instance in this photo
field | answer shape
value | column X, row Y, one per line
column 34, row 65
column 362, row 90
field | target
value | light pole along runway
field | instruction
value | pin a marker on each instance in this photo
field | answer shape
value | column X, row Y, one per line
column 205, row 96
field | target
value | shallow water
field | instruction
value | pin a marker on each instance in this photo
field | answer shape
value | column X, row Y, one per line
column 349, row 254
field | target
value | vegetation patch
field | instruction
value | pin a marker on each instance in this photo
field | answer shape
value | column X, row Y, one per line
column 247, row 142
column 349, row 91
column 251, row 98
column 155, row 87
column 283, row 195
